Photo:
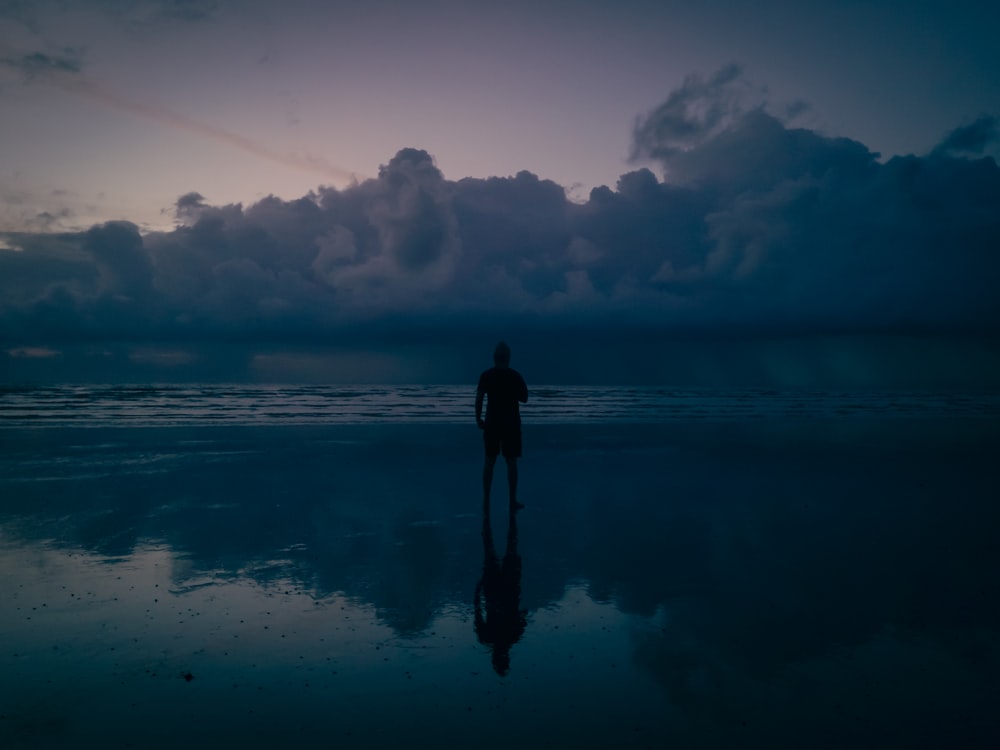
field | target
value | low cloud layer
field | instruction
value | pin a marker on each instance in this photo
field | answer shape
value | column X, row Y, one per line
column 752, row 226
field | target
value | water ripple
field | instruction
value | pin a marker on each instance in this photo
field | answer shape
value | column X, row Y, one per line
column 165, row 405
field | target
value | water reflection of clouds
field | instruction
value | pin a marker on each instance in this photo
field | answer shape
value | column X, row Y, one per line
column 153, row 592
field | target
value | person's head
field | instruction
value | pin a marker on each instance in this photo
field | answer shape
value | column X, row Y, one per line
column 501, row 355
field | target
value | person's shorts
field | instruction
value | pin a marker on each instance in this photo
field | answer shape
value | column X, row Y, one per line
column 506, row 442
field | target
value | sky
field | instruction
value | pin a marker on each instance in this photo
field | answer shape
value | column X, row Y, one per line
column 772, row 192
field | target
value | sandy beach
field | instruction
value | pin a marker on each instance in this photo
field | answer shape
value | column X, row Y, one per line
column 769, row 583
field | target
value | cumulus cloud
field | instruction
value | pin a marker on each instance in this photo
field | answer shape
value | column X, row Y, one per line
column 752, row 226
column 970, row 140
column 189, row 205
column 700, row 109
column 415, row 238
column 121, row 260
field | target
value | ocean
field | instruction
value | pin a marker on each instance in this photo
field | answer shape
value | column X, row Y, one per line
column 273, row 566
column 207, row 404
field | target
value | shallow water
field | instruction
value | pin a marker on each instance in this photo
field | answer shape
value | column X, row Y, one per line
column 776, row 582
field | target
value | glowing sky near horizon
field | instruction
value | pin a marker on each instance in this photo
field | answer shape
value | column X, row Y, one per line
column 240, row 100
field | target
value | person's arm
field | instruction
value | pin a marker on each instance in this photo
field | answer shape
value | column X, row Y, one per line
column 479, row 405
column 522, row 395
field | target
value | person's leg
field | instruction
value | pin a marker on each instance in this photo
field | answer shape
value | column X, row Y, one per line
column 491, row 444
column 512, row 482
column 491, row 461
column 512, row 452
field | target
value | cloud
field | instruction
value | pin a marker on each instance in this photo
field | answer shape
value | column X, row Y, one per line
column 38, row 64
column 121, row 260
column 755, row 228
column 718, row 133
column 691, row 115
column 189, row 204
column 970, row 140
column 409, row 209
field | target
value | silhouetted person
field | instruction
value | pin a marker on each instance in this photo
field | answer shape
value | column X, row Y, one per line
column 503, row 388
column 499, row 619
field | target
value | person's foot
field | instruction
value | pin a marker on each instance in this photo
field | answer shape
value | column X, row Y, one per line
column 515, row 505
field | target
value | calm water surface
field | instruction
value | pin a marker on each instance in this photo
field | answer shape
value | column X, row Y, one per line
column 268, row 567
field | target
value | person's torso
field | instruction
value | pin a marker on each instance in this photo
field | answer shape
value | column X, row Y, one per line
column 503, row 387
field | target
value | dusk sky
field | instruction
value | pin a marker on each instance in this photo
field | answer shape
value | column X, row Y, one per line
column 198, row 189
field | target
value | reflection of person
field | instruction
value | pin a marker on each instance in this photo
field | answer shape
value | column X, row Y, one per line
column 499, row 619
column 503, row 387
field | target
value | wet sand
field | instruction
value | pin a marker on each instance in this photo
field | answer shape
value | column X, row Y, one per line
column 771, row 583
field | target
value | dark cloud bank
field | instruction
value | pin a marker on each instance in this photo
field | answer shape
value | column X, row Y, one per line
column 763, row 253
